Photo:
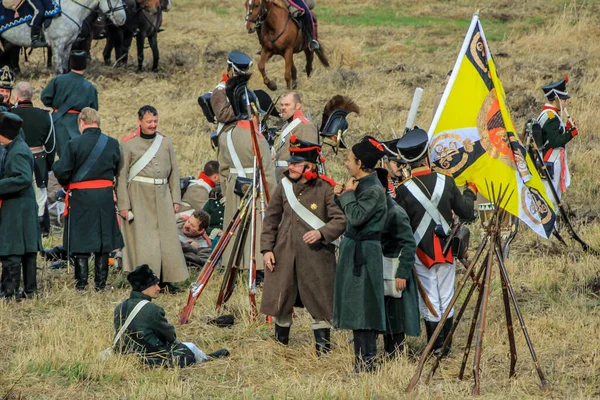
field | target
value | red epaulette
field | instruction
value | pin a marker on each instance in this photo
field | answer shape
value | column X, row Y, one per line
column 128, row 137
column 328, row 180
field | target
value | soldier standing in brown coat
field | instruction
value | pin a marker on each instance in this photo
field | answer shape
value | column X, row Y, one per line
column 300, row 224
column 148, row 196
column 297, row 124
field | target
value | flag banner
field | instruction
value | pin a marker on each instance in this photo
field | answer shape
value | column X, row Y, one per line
column 472, row 136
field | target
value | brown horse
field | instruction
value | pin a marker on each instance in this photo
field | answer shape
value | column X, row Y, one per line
column 279, row 34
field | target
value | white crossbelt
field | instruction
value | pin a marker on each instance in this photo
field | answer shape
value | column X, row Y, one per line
column 153, row 181
column 281, row 163
column 284, row 134
column 430, row 205
column 145, row 159
column 200, row 182
column 246, row 171
column 239, row 168
column 304, row 213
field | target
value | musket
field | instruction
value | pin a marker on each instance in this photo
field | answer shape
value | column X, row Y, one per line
column 215, row 256
column 423, row 294
column 255, row 147
column 537, row 154
column 252, row 269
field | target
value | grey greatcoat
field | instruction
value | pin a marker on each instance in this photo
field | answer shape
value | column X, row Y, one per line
column 306, row 271
column 151, row 238
column 242, row 142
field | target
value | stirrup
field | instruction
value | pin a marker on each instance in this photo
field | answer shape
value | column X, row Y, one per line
column 313, row 45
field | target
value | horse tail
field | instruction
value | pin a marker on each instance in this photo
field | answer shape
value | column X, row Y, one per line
column 322, row 57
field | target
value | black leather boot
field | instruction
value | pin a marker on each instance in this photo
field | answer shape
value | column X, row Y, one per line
column 54, row 254
column 11, row 277
column 282, row 334
column 81, row 272
column 37, row 39
column 430, row 327
column 218, row 354
column 29, row 274
column 45, row 223
column 100, row 270
column 393, row 344
column 446, row 330
column 322, row 340
column 365, row 350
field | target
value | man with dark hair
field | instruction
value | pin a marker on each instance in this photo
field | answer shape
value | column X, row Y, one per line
column 196, row 194
column 193, row 235
column 39, row 136
column 300, row 224
column 19, row 228
column 68, row 94
column 431, row 200
column 358, row 299
column 296, row 124
column 87, row 169
column 147, row 333
column 148, row 197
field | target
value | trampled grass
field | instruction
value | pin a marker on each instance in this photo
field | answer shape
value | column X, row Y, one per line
column 49, row 345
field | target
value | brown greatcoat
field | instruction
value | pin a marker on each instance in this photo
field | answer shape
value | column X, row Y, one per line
column 242, row 141
column 312, row 267
column 304, row 131
column 151, row 238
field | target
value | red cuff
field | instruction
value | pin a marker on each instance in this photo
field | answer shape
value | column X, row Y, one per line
column 473, row 187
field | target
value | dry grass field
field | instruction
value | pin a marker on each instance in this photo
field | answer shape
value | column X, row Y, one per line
column 379, row 52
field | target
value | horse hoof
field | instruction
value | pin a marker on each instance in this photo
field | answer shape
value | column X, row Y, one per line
column 272, row 86
column 294, row 85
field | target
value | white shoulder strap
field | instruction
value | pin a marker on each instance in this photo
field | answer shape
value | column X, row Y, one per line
column 430, row 205
column 141, row 163
column 311, row 219
column 200, row 182
column 287, row 130
column 130, row 318
column 234, row 157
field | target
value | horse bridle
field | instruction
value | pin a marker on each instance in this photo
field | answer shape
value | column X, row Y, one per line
column 111, row 9
column 262, row 15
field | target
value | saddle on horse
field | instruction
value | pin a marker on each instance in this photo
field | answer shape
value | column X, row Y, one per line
column 300, row 10
column 34, row 11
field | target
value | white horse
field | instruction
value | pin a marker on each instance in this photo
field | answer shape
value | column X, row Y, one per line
column 64, row 29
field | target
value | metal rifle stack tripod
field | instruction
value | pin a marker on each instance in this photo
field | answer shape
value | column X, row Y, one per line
column 242, row 225
column 492, row 245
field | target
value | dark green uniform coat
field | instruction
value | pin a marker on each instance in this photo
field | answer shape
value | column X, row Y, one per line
column 75, row 92
column 301, row 270
column 150, row 335
column 37, row 127
column 93, row 220
column 19, row 225
column 358, row 300
column 397, row 241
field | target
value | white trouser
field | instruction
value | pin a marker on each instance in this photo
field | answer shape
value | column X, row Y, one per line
column 41, row 197
column 199, row 355
column 438, row 282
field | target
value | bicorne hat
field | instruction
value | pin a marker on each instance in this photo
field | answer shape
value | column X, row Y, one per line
column 369, row 150
column 142, row 278
column 557, row 89
column 413, row 145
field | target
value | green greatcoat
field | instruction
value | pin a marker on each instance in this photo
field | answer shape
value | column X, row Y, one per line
column 93, row 222
column 74, row 91
column 19, row 225
column 358, row 300
column 397, row 241
column 150, row 335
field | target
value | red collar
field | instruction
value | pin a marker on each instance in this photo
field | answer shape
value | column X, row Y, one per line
column 206, row 179
column 224, row 78
column 421, row 171
column 550, row 107
column 300, row 114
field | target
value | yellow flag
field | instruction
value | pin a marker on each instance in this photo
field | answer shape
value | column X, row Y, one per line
column 472, row 136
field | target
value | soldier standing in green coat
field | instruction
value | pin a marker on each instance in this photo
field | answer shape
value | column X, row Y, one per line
column 69, row 94
column 87, row 169
column 19, row 228
column 358, row 302
column 399, row 247
column 149, row 334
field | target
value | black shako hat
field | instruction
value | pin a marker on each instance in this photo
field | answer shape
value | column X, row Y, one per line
column 413, row 145
column 10, row 125
column 301, row 150
column 239, row 62
column 78, row 60
column 369, row 150
column 142, row 278
column 557, row 89
column 391, row 150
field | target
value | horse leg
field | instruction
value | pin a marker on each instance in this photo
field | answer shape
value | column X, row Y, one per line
column 289, row 66
column 49, row 57
column 310, row 56
column 140, row 39
column 109, row 46
column 154, row 46
column 125, row 46
column 265, row 56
